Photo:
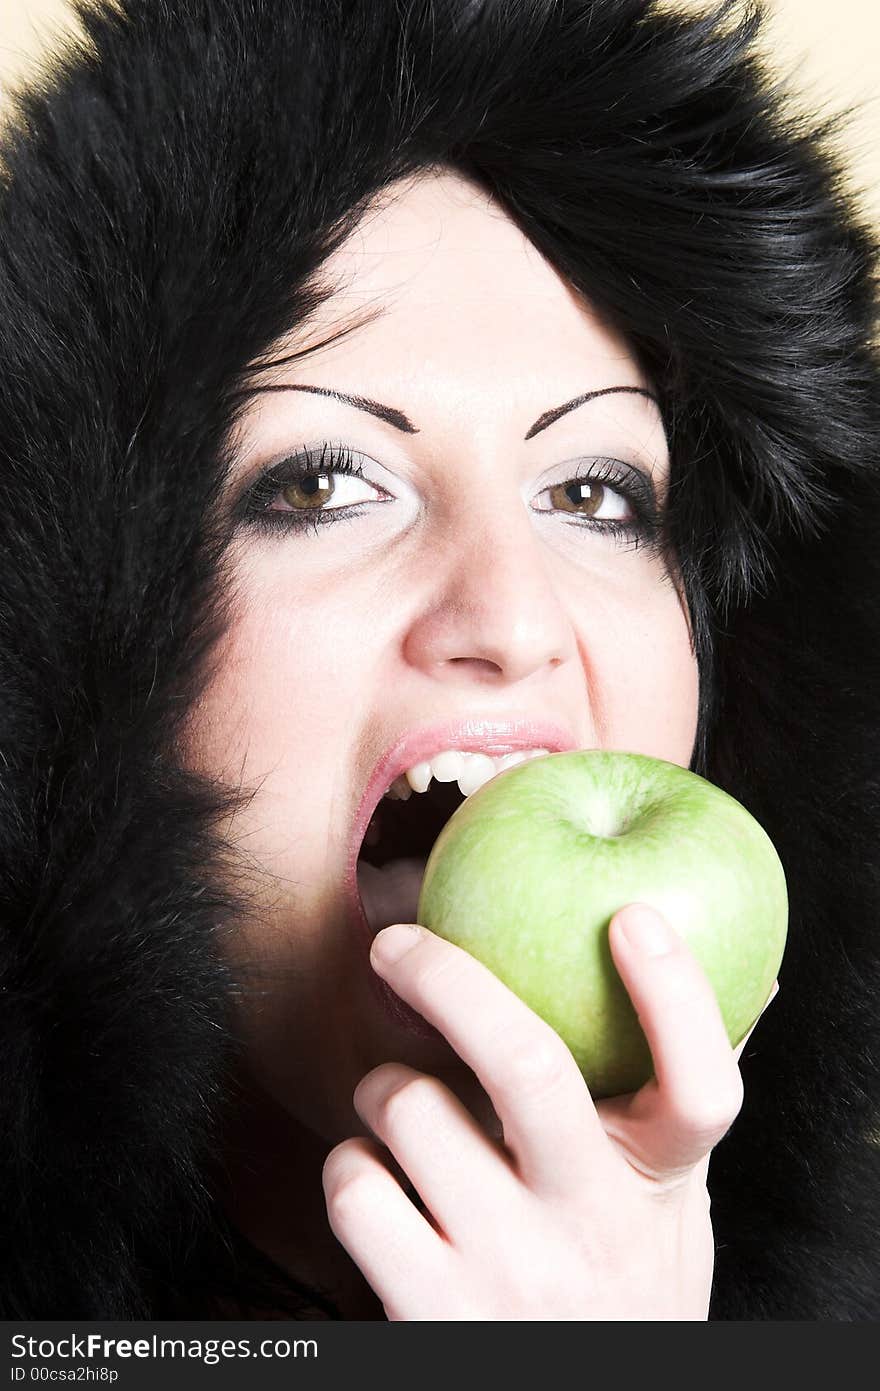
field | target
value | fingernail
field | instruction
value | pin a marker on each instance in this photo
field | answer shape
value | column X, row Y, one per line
column 393, row 942
column 645, row 930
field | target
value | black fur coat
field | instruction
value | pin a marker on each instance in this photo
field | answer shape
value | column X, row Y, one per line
column 169, row 186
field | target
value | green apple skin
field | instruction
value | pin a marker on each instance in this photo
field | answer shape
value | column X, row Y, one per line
column 529, row 870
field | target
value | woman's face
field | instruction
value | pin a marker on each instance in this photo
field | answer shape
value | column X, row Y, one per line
column 464, row 577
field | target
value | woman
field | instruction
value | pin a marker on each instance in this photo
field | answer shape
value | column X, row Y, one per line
column 571, row 326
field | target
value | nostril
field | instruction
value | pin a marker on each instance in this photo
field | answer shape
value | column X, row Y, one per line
column 480, row 665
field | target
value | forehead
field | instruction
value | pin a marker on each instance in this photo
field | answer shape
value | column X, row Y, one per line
column 450, row 278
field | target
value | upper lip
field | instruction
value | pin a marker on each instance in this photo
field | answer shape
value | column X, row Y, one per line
column 493, row 734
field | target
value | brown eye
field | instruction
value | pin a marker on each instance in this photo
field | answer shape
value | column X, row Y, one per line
column 310, row 492
column 588, row 497
column 311, row 488
column 305, row 488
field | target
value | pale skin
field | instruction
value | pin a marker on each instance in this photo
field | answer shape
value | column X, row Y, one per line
column 471, row 1177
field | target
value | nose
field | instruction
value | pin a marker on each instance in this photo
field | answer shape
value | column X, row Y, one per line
column 493, row 610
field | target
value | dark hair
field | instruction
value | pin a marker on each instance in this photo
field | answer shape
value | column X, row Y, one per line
column 172, row 186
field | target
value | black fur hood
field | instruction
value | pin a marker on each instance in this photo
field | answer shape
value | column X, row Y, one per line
column 170, row 188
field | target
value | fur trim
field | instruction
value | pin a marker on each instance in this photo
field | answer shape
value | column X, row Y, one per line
column 170, row 189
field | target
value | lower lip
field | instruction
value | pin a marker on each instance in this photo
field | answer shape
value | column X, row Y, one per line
column 401, row 1013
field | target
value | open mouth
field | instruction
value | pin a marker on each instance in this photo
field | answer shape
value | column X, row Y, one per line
column 394, row 853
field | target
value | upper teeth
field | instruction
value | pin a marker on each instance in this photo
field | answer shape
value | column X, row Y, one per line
column 469, row 770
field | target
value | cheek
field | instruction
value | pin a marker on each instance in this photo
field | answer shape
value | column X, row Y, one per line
column 643, row 677
column 277, row 718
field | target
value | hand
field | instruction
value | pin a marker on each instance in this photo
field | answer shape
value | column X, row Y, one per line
column 585, row 1210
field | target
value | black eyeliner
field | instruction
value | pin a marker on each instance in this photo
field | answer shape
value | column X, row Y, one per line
column 253, row 509
column 254, row 497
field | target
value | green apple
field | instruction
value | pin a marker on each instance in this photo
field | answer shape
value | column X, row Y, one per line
column 529, row 870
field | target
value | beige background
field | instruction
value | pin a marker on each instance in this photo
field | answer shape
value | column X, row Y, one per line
column 831, row 47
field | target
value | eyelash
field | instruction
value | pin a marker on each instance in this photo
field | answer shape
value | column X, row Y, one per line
column 255, row 509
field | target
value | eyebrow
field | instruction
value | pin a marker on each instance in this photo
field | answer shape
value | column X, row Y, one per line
column 401, row 422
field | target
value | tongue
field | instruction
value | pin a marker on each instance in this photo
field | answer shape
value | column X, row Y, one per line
column 391, row 894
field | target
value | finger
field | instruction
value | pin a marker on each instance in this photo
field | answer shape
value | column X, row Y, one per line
column 394, row 1246
column 675, row 1119
column 547, row 1116
column 738, row 1050
column 438, row 1144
